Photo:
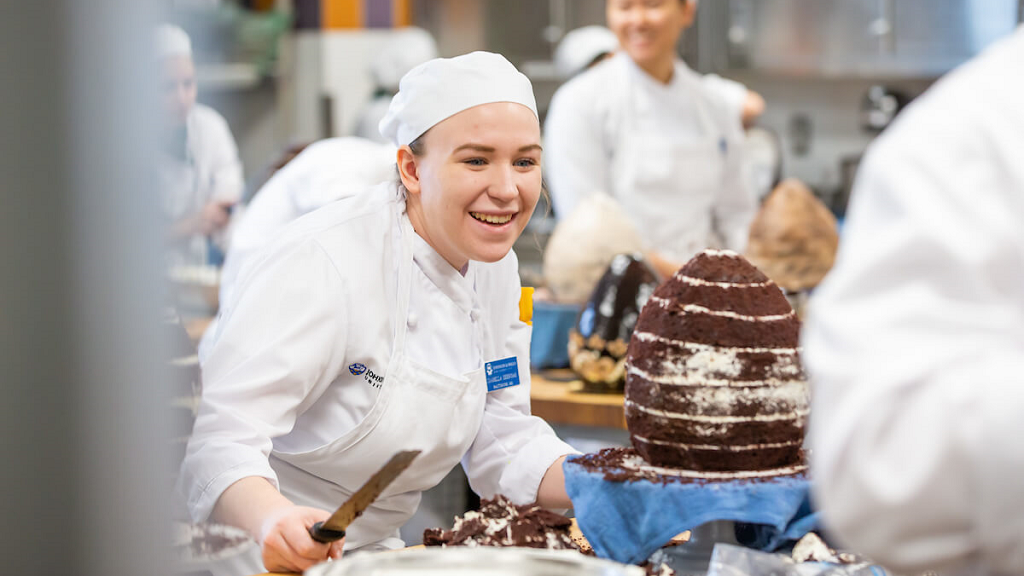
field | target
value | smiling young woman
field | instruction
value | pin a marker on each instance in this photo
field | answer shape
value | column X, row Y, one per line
column 385, row 321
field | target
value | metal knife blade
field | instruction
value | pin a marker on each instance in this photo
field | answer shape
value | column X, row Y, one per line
column 333, row 528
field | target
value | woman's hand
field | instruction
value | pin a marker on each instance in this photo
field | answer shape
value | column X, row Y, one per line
column 280, row 527
column 286, row 543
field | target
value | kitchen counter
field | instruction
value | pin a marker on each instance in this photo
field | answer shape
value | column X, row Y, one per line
column 555, row 397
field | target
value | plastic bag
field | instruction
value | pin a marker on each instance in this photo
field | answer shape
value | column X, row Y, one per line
column 729, row 560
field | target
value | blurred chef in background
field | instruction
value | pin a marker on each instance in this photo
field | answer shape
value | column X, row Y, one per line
column 915, row 340
column 199, row 172
column 406, row 49
column 582, row 48
column 322, row 173
column 642, row 127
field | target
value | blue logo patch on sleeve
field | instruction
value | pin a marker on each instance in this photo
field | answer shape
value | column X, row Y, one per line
column 356, row 369
column 502, row 373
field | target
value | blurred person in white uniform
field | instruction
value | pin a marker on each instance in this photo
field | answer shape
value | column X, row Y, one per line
column 199, row 173
column 642, row 127
column 322, row 173
column 584, row 47
column 915, row 340
column 385, row 321
column 406, row 49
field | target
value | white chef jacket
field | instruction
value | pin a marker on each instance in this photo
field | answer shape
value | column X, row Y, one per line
column 278, row 377
column 210, row 170
column 915, row 340
column 669, row 153
column 731, row 93
column 322, row 173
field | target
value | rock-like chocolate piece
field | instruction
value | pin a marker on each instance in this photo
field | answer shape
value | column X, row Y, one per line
column 599, row 340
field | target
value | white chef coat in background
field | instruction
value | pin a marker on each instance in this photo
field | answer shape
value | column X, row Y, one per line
column 322, row 173
column 289, row 368
column 730, row 92
column 210, row 170
column 915, row 341
column 669, row 153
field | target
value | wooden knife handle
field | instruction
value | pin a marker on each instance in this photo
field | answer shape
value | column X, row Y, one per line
column 325, row 535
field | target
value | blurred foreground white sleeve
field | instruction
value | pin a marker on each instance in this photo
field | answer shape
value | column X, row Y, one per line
column 915, row 341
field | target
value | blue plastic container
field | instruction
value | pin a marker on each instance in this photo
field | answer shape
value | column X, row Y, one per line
column 549, row 347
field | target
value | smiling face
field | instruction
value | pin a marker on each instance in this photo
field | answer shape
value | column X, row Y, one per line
column 648, row 30
column 475, row 186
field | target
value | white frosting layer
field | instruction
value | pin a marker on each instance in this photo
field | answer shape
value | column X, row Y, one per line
column 795, row 414
column 648, row 337
column 780, row 399
column 702, row 282
column 695, row 309
column 720, row 253
column 723, row 448
column 638, row 463
column 699, row 378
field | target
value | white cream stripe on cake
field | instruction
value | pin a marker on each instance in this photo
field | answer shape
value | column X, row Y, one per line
column 702, row 282
column 703, row 381
column 720, row 253
column 648, row 337
column 718, row 419
column 637, row 463
column 695, row 309
column 726, row 448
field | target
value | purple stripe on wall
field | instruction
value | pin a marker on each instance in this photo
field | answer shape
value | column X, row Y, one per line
column 307, row 14
column 378, row 13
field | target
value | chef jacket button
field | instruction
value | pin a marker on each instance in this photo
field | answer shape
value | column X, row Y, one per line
column 412, row 320
column 474, row 315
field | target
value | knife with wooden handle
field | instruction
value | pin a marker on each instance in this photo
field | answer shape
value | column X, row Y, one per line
column 333, row 529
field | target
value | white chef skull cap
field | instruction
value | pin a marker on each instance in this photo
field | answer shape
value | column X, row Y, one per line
column 582, row 46
column 172, row 41
column 443, row 87
column 407, row 48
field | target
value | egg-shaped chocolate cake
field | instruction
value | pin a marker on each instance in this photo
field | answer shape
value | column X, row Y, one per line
column 713, row 376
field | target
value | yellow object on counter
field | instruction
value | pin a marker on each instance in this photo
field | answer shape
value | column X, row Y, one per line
column 526, row 305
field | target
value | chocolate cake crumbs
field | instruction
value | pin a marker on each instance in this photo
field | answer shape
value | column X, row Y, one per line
column 502, row 523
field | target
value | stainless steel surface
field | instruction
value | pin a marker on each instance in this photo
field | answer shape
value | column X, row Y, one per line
column 858, row 38
column 474, row 561
column 369, row 492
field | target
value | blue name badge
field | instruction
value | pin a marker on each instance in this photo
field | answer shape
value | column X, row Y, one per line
column 502, row 373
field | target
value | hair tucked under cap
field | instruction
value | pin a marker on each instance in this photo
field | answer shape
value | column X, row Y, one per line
column 443, row 87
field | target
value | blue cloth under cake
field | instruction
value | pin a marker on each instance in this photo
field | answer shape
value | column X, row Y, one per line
column 626, row 520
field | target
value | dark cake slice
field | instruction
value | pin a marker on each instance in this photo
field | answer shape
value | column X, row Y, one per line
column 502, row 523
